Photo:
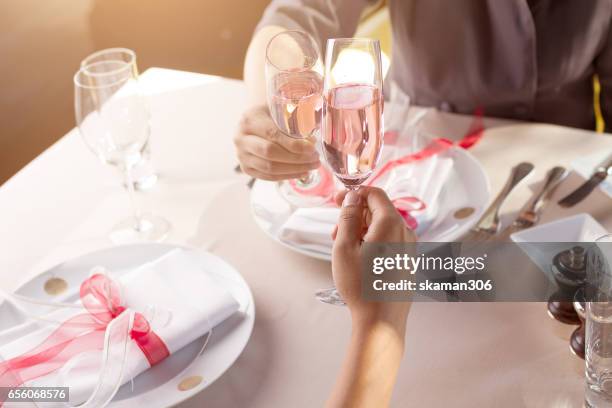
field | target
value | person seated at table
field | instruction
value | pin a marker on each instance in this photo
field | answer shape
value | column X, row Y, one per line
column 523, row 59
column 376, row 347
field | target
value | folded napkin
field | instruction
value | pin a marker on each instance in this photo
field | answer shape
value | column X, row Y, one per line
column 192, row 301
column 586, row 166
column 310, row 228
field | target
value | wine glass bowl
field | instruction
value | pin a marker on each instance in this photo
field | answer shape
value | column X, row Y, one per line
column 112, row 54
column 296, row 103
column 110, row 112
column 144, row 174
column 352, row 125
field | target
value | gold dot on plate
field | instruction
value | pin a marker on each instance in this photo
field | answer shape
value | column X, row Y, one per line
column 464, row 212
column 190, row 382
column 55, row 286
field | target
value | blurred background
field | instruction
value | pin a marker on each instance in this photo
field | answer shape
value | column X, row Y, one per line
column 42, row 43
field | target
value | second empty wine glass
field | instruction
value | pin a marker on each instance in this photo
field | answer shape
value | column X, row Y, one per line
column 113, row 119
column 352, row 123
column 143, row 173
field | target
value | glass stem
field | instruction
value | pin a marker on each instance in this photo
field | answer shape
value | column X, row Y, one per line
column 132, row 193
column 307, row 179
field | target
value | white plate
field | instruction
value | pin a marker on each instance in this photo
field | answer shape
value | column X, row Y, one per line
column 158, row 386
column 467, row 186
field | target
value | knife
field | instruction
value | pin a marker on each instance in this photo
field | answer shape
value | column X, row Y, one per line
column 602, row 171
column 530, row 213
column 488, row 225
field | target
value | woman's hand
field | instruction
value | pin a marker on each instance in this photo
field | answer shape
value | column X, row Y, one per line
column 366, row 216
column 265, row 153
column 376, row 348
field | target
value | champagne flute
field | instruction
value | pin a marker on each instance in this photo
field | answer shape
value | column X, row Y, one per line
column 352, row 123
column 113, row 118
column 294, row 84
column 143, row 173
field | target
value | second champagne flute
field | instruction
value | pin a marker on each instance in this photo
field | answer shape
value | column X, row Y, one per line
column 352, row 123
column 294, row 84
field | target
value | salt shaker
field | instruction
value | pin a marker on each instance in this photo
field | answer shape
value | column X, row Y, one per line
column 568, row 270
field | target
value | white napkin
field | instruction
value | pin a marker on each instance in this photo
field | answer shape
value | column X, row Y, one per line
column 586, row 166
column 423, row 179
column 310, row 228
column 172, row 283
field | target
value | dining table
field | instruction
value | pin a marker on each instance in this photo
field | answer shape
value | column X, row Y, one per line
column 470, row 354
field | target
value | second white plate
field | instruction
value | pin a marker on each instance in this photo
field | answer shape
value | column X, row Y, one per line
column 159, row 386
column 466, row 188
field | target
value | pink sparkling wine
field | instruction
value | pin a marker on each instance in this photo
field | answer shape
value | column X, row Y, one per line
column 352, row 131
column 295, row 102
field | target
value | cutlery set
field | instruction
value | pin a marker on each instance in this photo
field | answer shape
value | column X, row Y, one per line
column 529, row 215
column 488, row 227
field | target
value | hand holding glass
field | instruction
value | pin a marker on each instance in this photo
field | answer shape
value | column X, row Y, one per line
column 294, row 86
column 352, row 123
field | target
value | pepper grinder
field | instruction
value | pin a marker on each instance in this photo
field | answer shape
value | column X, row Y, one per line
column 569, row 271
column 578, row 339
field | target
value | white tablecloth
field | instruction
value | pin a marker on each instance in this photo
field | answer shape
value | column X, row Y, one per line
column 460, row 355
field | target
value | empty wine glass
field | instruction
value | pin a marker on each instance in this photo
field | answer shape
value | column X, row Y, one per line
column 352, row 123
column 113, row 119
column 294, row 84
column 598, row 329
column 143, row 173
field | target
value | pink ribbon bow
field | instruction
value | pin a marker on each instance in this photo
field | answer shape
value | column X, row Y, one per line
column 101, row 297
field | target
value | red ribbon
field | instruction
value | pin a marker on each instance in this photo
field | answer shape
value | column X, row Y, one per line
column 437, row 146
column 101, row 297
column 405, row 206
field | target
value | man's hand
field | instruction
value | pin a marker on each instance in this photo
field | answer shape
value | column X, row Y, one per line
column 265, row 153
column 366, row 216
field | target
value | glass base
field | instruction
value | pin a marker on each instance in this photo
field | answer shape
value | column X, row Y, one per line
column 315, row 190
column 147, row 228
column 330, row 296
column 596, row 396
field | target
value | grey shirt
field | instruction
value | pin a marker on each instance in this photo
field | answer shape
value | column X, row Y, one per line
column 520, row 59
